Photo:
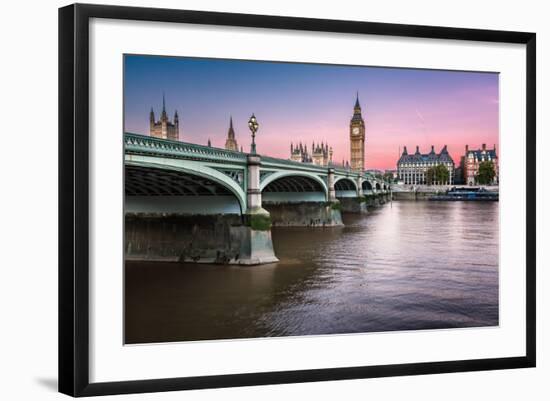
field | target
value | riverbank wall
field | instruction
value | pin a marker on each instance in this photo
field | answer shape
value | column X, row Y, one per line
column 413, row 195
column 424, row 192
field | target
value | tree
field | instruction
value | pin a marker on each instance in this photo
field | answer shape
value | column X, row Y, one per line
column 485, row 173
column 437, row 175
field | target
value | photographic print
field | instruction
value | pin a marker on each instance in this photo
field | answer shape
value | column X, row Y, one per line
column 269, row 199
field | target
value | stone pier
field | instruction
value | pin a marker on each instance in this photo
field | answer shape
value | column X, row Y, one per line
column 305, row 214
column 353, row 205
column 223, row 239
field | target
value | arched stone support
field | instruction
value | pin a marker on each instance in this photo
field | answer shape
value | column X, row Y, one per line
column 253, row 192
column 256, row 235
column 331, row 189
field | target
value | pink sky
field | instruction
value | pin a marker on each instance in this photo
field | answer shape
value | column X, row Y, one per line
column 310, row 102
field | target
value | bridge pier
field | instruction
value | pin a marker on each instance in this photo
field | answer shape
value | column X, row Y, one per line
column 360, row 186
column 353, row 205
column 257, row 236
column 217, row 238
column 305, row 214
column 331, row 188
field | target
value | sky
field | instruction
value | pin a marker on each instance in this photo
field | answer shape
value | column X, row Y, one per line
column 296, row 102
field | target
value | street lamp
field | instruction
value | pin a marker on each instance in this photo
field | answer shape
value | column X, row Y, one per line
column 253, row 125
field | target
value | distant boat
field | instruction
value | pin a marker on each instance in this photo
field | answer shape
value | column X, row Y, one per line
column 466, row 194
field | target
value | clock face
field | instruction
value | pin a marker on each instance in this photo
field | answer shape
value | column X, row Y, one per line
column 355, row 130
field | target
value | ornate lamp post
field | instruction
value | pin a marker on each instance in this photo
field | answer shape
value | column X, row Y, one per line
column 253, row 125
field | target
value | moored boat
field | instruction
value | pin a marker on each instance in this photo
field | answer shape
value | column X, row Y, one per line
column 466, row 194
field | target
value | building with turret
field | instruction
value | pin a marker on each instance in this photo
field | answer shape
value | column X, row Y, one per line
column 321, row 154
column 357, row 138
column 411, row 168
column 299, row 153
column 471, row 160
column 164, row 128
column 231, row 142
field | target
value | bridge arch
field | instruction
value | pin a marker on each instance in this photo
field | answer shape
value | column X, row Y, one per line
column 165, row 180
column 344, row 183
column 378, row 186
column 345, row 187
column 293, row 186
column 367, row 185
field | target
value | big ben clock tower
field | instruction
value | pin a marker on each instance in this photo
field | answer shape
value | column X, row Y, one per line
column 357, row 138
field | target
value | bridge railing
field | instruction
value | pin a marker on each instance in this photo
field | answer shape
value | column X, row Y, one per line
column 143, row 144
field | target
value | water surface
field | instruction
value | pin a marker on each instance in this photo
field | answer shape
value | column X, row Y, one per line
column 404, row 266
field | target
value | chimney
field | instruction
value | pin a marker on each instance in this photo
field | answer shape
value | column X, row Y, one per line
column 417, row 149
column 483, row 147
column 466, row 148
column 433, row 149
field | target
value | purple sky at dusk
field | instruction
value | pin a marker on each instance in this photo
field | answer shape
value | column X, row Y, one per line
column 313, row 102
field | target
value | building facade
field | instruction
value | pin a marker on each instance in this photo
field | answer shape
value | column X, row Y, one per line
column 357, row 138
column 411, row 169
column 299, row 153
column 321, row 154
column 471, row 160
column 164, row 128
column 231, row 142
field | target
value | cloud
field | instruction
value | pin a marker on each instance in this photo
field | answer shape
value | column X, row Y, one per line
column 420, row 116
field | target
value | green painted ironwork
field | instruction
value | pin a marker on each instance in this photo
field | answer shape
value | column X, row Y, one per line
column 136, row 144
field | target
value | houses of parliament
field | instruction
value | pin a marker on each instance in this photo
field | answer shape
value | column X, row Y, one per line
column 320, row 153
column 164, row 128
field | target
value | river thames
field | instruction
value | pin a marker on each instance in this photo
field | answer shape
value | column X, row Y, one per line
column 403, row 266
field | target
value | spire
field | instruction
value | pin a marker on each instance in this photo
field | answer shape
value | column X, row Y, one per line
column 231, row 131
column 152, row 116
column 163, row 115
column 357, row 105
column 209, row 143
column 405, row 151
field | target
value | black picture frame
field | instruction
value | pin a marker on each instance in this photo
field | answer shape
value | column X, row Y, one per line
column 74, row 198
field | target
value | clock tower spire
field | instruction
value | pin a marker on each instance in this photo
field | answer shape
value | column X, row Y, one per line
column 357, row 138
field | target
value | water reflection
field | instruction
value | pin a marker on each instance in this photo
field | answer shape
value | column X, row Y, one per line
column 409, row 265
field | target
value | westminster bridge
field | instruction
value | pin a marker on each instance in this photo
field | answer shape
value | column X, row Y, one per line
column 192, row 203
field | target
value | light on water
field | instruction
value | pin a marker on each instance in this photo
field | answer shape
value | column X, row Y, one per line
column 403, row 266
